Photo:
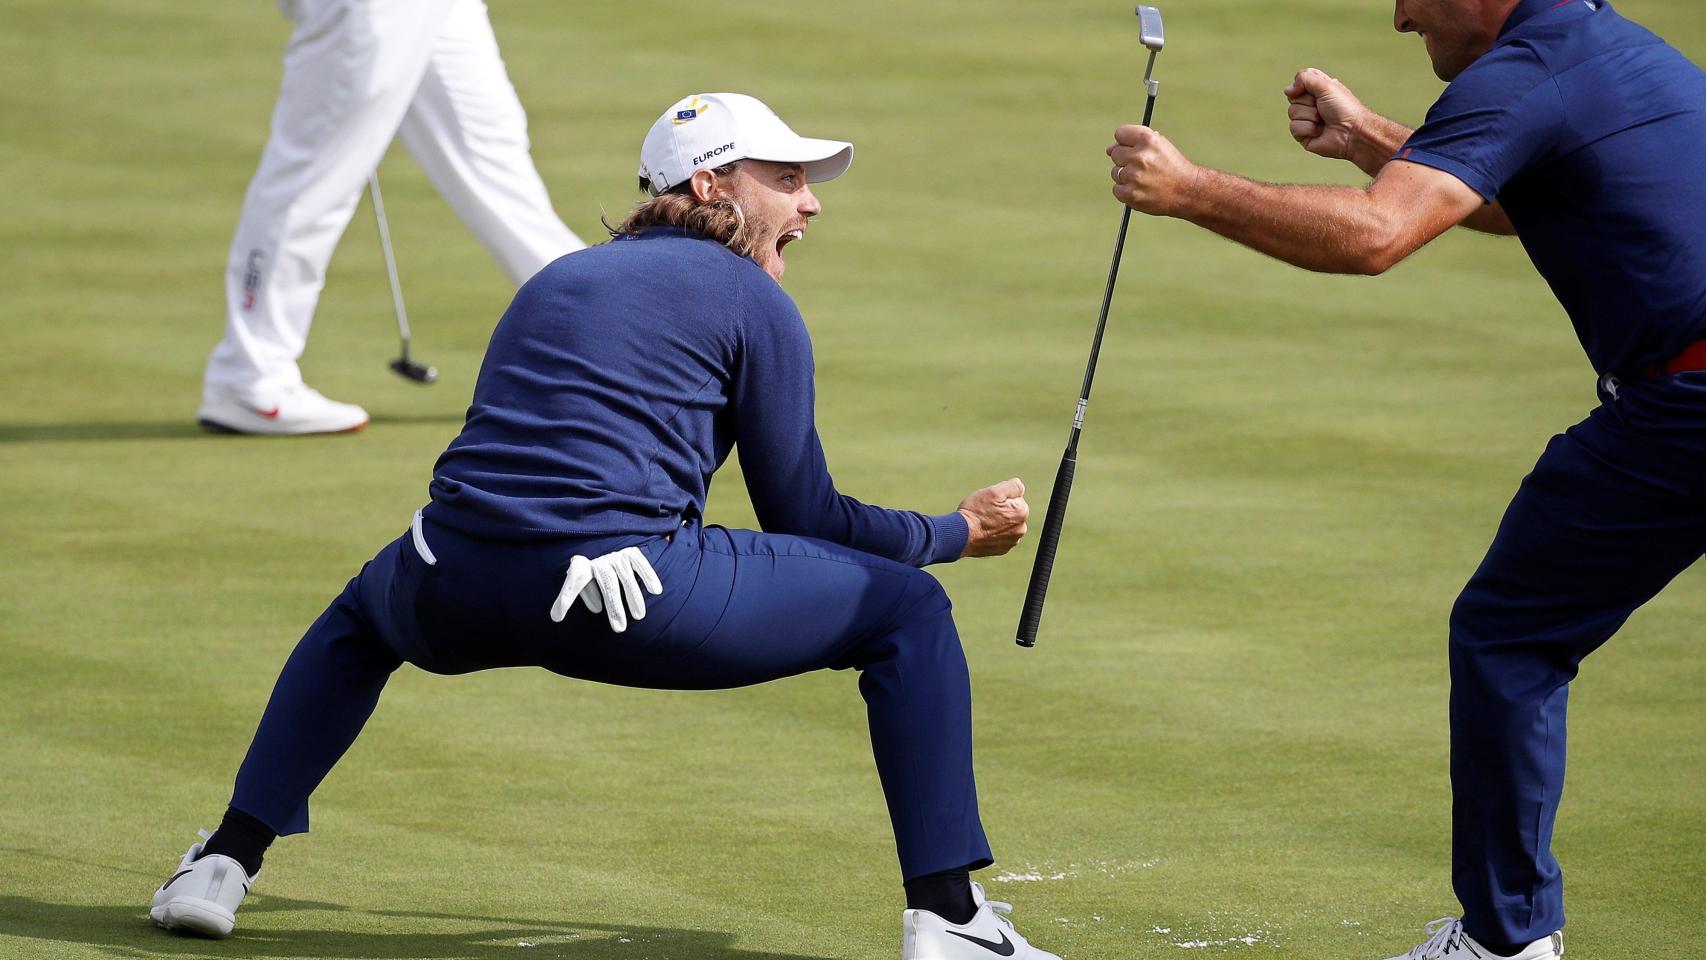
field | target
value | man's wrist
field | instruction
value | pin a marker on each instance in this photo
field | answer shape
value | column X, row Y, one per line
column 1208, row 192
column 1375, row 140
column 952, row 534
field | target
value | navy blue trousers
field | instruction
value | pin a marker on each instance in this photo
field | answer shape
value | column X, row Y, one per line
column 1614, row 510
column 738, row 608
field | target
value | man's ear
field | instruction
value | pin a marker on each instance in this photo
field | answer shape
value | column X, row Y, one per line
column 703, row 183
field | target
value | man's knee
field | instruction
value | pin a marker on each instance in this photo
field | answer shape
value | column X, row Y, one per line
column 1469, row 622
column 923, row 596
column 919, row 618
column 1479, row 628
column 1499, row 656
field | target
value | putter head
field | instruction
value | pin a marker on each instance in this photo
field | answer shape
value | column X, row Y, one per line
column 1149, row 29
column 413, row 370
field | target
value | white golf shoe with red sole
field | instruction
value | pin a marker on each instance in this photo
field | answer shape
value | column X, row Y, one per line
column 292, row 411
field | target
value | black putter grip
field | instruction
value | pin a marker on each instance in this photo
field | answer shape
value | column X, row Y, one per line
column 1032, row 617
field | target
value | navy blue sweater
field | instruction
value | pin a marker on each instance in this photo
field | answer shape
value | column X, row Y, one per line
column 619, row 380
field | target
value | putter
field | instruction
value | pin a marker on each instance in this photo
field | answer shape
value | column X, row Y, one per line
column 1150, row 33
column 412, row 370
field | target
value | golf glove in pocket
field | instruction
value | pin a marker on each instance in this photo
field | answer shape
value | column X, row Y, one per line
column 609, row 584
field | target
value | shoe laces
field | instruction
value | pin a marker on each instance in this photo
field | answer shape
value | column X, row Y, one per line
column 1000, row 907
column 303, row 391
column 1443, row 934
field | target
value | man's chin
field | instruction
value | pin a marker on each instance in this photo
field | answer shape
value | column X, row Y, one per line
column 1447, row 71
column 1450, row 66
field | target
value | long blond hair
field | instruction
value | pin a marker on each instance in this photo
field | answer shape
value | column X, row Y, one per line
column 718, row 218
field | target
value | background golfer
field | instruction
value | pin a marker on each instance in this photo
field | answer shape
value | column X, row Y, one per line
column 355, row 76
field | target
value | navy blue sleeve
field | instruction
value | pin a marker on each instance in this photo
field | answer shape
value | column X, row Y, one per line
column 1498, row 118
column 773, row 398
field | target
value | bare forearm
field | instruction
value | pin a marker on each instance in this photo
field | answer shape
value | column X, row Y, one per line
column 1322, row 228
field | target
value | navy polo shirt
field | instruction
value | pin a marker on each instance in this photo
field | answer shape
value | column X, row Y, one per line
column 1590, row 132
column 619, row 380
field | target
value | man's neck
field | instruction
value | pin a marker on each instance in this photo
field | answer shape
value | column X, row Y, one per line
column 1500, row 12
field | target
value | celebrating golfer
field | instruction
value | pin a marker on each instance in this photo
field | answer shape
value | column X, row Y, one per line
column 1580, row 132
column 614, row 387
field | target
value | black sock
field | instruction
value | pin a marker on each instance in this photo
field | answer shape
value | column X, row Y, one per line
column 242, row 838
column 1502, row 949
column 946, row 894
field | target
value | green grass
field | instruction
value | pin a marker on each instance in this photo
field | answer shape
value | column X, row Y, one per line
column 1234, row 726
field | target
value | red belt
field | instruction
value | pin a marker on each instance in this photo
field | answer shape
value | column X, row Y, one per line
column 1690, row 360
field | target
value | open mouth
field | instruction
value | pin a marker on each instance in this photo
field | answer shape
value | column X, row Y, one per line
column 786, row 238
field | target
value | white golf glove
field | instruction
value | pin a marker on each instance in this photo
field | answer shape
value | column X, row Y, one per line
column 605, row 583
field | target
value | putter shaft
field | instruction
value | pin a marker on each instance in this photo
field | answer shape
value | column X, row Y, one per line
column 390, row 260
column 1030, row 619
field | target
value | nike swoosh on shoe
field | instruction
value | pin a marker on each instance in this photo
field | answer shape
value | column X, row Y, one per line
column 1004, row 948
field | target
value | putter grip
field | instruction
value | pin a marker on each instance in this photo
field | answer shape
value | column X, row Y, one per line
column 1032, row 617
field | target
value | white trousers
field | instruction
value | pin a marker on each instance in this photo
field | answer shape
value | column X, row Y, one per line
column 357, row 73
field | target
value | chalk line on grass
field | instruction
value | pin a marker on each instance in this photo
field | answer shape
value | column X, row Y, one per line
column 1047, row 871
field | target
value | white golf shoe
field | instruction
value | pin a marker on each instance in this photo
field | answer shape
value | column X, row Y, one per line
column 203, row 896
column 986, row 935
column 1447, row 941
column 289, row 411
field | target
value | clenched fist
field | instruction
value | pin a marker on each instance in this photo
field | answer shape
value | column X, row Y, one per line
column 996, row 517
column 1325, row 115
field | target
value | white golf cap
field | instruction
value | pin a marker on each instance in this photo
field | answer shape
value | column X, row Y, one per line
column 707, row 130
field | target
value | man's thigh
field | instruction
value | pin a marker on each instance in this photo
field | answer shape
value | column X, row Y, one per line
column 1604, row 521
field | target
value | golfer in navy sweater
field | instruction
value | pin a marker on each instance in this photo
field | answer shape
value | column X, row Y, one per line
column 616, row 384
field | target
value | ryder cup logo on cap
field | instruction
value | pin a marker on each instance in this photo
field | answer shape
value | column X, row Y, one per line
column 694, row 107
column 708, row 130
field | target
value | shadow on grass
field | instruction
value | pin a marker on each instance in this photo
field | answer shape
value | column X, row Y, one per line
column 154, row 430
column 124, row 931
column 410, row 419
column 174, row 429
